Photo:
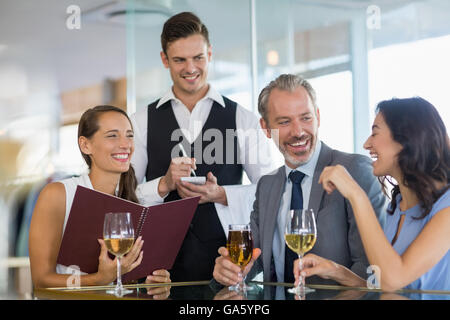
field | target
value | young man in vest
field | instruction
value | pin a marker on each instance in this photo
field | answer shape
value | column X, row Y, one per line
column 194, row 114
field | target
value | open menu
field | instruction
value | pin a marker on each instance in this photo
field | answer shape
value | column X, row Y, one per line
column 162, row 227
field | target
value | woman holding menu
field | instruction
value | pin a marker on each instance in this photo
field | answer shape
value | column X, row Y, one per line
column 105, row 139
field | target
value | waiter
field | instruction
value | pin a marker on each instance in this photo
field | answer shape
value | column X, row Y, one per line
column 221, row 139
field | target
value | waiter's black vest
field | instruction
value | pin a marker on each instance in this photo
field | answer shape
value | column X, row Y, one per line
column 196, row 258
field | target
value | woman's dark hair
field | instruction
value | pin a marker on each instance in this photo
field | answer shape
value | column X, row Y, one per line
column 182, row 25
column 425, row 156
column 87, row 127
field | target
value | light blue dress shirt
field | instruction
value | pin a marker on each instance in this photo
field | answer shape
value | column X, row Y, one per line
column 278, row 244
column 438, row 277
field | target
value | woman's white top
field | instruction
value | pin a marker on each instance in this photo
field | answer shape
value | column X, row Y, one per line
column 70, row 185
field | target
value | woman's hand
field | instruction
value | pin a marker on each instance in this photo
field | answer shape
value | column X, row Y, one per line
column 315, row 266
column 337, row 177
column 133, row 258
column 159, row 276
column 107, row 267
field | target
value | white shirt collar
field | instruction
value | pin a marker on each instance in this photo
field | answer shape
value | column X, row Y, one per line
column 309, row 167
column 211, row 94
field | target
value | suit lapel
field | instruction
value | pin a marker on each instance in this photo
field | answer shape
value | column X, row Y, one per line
column 272, row 208
column 315, row 198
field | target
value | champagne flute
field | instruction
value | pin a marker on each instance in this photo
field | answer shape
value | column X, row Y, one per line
column 300, row 236
column 118, row 234
column 240, row 250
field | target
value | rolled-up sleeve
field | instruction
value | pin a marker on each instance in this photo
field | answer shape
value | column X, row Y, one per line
column 146, row 192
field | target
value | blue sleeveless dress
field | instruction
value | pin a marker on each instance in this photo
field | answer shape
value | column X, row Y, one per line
column 438, row 277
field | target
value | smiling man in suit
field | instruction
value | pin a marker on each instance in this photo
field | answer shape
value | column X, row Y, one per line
column 291, row 118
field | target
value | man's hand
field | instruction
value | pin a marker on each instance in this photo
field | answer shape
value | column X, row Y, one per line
column 227, row 294
column 226, row 272
column 209, row 192
column 179, row 167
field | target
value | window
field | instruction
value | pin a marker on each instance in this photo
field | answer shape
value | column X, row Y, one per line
column 405, row 70
column 334, row 99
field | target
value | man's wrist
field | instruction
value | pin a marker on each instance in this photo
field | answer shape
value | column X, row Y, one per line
column 222, row 199
column 163, row 189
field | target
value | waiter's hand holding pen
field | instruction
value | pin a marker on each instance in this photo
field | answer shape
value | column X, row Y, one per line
column 179, row 167
column 185, row 155
column 209, row 191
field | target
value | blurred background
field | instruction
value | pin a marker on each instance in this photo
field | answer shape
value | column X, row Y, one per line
column 59, row 58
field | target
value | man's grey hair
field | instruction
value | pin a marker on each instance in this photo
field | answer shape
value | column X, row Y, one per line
column 287, row 82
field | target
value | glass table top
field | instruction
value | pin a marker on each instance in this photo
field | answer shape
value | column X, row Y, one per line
column 204, row 290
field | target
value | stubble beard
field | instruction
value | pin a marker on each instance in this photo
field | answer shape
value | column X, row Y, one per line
column 296, row 162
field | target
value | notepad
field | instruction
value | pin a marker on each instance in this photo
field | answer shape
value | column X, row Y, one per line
column 162, row 227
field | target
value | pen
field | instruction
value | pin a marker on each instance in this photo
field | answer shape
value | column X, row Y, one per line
column 185, row 155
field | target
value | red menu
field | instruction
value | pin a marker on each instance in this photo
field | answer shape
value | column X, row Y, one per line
column 162, row 227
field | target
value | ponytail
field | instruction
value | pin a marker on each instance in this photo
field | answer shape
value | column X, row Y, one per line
column 127, row 185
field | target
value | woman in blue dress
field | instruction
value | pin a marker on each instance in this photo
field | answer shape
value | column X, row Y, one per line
column 411, row 150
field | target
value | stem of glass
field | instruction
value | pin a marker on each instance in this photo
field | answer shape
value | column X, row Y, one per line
column 300, row 287
column 241, row 283
column 119, row 286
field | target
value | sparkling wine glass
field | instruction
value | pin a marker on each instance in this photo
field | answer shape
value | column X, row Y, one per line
column 118, row 234
column 240, row 250
column 300, row 236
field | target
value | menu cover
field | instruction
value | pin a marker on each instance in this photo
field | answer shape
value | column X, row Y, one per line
column 162, row 227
